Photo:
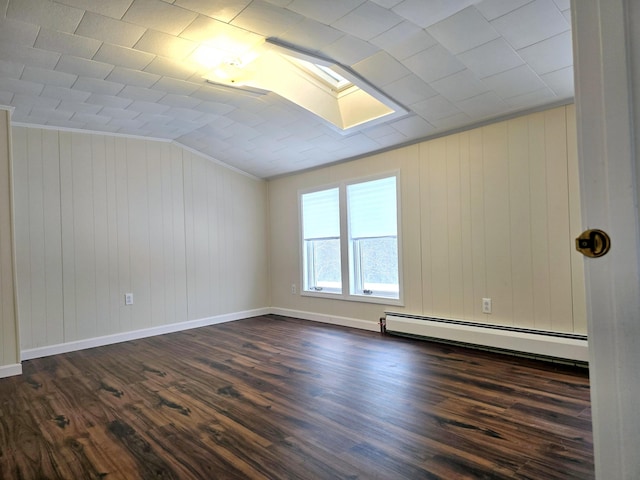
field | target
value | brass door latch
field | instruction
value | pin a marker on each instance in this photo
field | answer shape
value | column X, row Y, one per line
column 593, row 243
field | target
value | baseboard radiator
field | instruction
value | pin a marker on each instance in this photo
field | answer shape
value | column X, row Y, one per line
column 530, row 342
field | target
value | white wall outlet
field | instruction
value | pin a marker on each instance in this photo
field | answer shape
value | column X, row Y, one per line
column 294, row 289
column 486, row 305
column 128, row 298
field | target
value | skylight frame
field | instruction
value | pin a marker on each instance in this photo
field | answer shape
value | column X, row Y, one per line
column 357, row 83
column 332, row 92
column 325, row 74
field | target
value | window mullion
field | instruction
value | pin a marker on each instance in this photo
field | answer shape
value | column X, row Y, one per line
column 357, row 267
column 310, row 265
column 344, row 242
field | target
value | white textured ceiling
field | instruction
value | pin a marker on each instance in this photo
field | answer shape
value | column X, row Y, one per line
column 123, row 66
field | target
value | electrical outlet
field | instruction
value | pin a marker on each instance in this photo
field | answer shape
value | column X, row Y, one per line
column 293, row 289
column 486, row 305
column 128, row 298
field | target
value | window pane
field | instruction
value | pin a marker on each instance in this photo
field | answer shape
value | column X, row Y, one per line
column 321, row 214
column 372, row 208
column 321, row 238
column 324, row 265
column 373, row 244
column 377, row 267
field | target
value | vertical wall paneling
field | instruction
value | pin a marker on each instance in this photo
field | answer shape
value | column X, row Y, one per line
column 111, row 318
column 54, row 317
column 520, row 221
column 68, row 240
column 199, row 266
column 217, row 251
column 156, row 213
column 22, row 224
column 253, row 244
column 425, row 226
column 488, row 212
column 477, row 223
column 189, row 225
column 100, row 216
column 36, row 271
column 560, row 244
column 466, row 232
column 139, row 234
column 9, row 345
column 237, row 244
column 539, row 222
column 173, row 245
column 214, row 271
column 454, row 227
column 409, row 223
column 37, row 226
column 239, row 248
column 439, row 228
column 83, row 211
column 226, row 262
column 231, row 263
column 101, row 234
column 123, row 246
column 225, row 217
column 578, row 296
column 179, row 271
column 173, row 233
column 495, row 207
column 498, row 231
column 209, row 253
column 246, row 285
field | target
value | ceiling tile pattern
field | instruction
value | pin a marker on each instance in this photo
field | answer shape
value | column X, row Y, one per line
column 127, row 67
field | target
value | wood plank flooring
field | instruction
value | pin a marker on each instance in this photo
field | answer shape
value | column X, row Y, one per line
column 279, row 398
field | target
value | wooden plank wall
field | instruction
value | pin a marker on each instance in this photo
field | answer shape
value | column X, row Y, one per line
column 9, row 348
column 490, row 212
column 99, row 216
column 502, row 212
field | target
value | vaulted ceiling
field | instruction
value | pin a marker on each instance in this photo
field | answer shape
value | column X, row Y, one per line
column 129, row 67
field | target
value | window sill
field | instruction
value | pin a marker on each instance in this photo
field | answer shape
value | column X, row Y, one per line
column 354, row 298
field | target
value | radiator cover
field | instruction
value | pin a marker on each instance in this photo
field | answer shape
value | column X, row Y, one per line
column 567, row 346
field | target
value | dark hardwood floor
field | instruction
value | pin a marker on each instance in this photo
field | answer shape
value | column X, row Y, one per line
column 278, row 398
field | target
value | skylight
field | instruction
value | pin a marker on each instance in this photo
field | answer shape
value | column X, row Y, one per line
column 325, row 88
column 332, row 79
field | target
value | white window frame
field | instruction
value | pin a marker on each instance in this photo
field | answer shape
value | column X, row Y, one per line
column 347, row 280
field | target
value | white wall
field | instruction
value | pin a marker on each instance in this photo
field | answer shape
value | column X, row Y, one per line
column 226, row 234
column 490, row 212
column 9, row 349
column 98, row 216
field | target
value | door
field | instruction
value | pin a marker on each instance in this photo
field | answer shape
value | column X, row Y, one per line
column 606, row 56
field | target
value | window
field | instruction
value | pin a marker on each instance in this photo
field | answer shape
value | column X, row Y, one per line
column 373, row 238
column 351, row 232
column 321, row 241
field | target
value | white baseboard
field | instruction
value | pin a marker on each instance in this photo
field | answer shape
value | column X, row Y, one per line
column 67, row 347
column 331, row 319
column 562, row 348
column 137, row 334
column 10, row 370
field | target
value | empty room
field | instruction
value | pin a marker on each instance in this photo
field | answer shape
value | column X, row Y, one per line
column 319, row 239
